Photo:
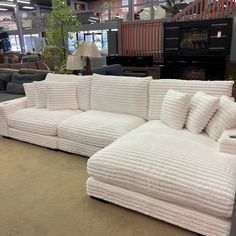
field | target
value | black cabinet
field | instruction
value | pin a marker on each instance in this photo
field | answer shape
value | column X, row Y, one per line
column 195, row 68
column 197, row 49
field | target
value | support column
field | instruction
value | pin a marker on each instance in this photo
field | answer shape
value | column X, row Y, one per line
column 19, row 26
column 152, row 10
column 131, row 10
column 38, row 11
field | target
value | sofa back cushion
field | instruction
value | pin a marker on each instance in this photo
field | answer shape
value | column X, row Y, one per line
column 27, row 78
column 159, row 88
column 14, row 88
column 29, row 65
column 120, row 94
column 4, row 79
column 83, row 84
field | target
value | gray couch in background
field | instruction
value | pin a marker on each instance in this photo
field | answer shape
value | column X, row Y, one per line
column 11, row 83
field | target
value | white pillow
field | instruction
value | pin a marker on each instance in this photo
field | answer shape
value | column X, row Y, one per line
column 30, row 94
column 224, row 118
column 202, row 108
column 175, row 108
column 61, row 96
column 40, row 94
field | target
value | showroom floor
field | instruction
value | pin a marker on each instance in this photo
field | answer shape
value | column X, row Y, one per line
column 42, row 193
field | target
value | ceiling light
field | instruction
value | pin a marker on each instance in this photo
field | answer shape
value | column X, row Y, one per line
column 26, row 7
column 7, row 4
column 3, row 9
column 25, row 2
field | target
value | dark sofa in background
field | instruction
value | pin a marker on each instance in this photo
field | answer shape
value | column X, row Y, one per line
column 115, row 69
column 11, row 83
column 37, row 65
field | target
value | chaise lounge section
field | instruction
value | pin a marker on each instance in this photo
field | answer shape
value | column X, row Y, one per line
column 169, row 174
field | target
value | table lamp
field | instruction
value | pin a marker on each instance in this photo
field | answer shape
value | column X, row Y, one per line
column 74, row 63
column 87, row 49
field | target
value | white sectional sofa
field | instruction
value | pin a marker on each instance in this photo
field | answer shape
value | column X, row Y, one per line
column 136, row 160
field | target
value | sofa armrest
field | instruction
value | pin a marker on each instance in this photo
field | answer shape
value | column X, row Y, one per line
column 227, row 143
column 9, row 107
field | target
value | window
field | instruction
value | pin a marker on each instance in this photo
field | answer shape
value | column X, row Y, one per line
column 125, row 2
column 15, row 43
column 71, row 41
column 30, row 41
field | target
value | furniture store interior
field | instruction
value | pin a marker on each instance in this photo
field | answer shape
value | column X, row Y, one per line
column 117, row 118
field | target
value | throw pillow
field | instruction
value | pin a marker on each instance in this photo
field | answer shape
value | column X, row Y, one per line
column 27, row 78
column 224, row 118
column 61, row 96
column 14, row 88
column 175, row 108
column 202, row 108
column 40, row 94
column 30, row 94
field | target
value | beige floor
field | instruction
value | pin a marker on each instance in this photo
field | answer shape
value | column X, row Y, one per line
column 42, row 193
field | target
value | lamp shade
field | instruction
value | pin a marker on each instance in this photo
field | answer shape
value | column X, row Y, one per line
column 74, row 63
column 87, row 49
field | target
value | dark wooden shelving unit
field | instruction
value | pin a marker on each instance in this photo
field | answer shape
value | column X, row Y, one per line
column 197, row 49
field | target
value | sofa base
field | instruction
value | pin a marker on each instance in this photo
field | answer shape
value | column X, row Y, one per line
column 4, row 129
column 77, row 148
column 99, row 199
column 190, row 219
column 38, row 139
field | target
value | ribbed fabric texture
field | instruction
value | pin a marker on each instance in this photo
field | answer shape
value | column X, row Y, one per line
column 97, row 128
column 39, row 121
column 82, row 83
column 159, row 88
column 77, row 148
column 202, row 108
column 61, row 96
column 175, row 108
column 171, row 165
column 119, row 95
column 9, row 107
column 226, row 143
column 190, row 219
column 30, row 94
column 40, row 94
column 38, row 139
column 4, row 128
column 224, row 118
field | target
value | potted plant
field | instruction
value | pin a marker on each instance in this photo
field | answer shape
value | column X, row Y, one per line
column 61, row 22
column 171, row 7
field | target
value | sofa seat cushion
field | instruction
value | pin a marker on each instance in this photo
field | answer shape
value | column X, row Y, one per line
column 39, row 121
column 7, row 96
column 171, row 165
column 97, row 128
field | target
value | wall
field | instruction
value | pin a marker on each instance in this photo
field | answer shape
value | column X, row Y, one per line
column 121, row 12
column 4, row 14
column 96, row 6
